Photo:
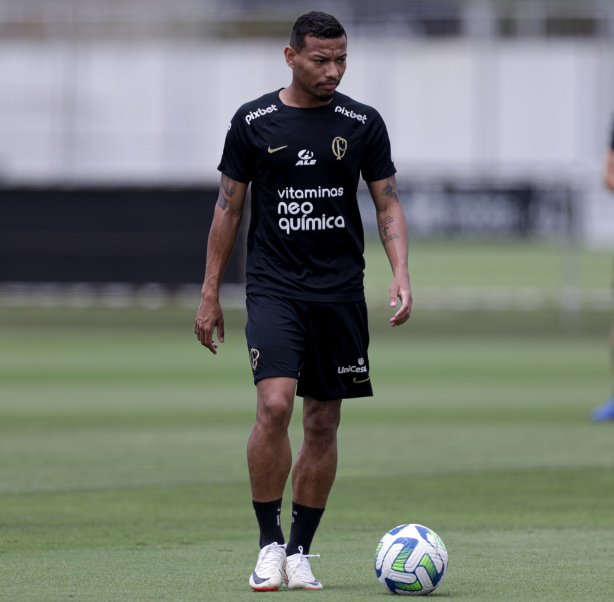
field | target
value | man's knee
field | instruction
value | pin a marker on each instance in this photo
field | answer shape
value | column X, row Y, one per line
column 275, row 403
column 321, row 419
column 274, row 410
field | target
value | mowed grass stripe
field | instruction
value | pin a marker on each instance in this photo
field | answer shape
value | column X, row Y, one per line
column 108, row 457
column 197, row 514
column 104, row 377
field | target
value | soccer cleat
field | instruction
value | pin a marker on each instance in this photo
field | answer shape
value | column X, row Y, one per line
column 269, row 572
column 298, row 571
column 604, row 412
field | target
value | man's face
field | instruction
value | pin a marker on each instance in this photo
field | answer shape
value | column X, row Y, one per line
column 318, row 67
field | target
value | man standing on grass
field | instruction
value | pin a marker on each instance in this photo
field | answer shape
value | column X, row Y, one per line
column 606, row 411
column 303, row 148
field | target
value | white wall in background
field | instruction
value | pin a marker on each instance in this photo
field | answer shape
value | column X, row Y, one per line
column 157, row 111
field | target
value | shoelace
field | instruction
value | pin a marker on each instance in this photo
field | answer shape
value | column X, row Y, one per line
column 269, row 556
column 303, row 568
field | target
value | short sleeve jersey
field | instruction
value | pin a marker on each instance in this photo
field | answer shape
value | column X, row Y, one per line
column 305, row 237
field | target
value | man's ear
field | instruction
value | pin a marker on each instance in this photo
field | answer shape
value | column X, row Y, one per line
column 290, row 54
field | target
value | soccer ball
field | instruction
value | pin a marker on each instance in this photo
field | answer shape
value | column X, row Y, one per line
column 411, row 560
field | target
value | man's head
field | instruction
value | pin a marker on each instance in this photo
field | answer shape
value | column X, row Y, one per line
column 316, row 55
column 316, row 24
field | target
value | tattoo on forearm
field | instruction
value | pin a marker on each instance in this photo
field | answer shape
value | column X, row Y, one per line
column 386, row 229
column 227, row 190
column 222, row 203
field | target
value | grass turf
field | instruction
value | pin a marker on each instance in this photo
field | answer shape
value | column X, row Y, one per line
column 124, row 477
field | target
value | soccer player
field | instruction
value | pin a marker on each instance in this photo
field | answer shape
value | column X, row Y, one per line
column 303, row 149
column 606, row 410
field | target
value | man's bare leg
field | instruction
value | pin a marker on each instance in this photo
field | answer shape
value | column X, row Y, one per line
column 315, row 467
column 313, row 476
column 269, row 456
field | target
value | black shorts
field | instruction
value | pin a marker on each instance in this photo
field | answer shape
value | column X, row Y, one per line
column 321, row 344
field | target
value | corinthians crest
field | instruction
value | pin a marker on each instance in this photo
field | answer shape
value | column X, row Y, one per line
column 254, row 354
column 340, row 145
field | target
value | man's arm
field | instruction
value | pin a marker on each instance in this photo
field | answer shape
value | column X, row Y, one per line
column 222, row 237
column 393, row 234
column 609, row 171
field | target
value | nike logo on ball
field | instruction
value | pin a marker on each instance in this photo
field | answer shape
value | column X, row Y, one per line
column 360, row 381
column 274, row 150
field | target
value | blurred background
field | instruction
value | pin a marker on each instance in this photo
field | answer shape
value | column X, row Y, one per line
column 113, row 115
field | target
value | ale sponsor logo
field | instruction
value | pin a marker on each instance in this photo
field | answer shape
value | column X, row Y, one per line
column 305, row 157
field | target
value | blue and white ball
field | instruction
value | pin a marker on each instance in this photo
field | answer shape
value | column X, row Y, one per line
column 411, row 560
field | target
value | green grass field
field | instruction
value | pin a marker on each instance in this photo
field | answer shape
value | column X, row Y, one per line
column 123, row 472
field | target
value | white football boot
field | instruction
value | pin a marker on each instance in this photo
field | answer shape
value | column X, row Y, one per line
column 298, row 571
column 269, row 572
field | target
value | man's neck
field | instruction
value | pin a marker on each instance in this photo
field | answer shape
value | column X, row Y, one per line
column 290, row 98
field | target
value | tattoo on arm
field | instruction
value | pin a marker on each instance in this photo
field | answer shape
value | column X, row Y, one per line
column 391, row 191
column 227, row 191
column 222, row 203
column 386, row 229
column 228, row 185
column 386, row 224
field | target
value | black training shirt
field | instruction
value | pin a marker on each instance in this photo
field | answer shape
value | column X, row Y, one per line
column 305, row 237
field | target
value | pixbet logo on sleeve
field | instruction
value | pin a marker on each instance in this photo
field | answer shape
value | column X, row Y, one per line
column 259, row 113
column 351, row 114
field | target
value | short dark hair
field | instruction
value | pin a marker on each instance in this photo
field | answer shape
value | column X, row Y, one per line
column 316, row 24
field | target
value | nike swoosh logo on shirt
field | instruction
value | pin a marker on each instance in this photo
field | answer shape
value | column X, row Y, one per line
column 274, row 150
column 361, row 381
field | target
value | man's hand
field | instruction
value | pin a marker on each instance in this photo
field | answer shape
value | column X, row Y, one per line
column 222, row 236
column 208, row 318
column 400, row 289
